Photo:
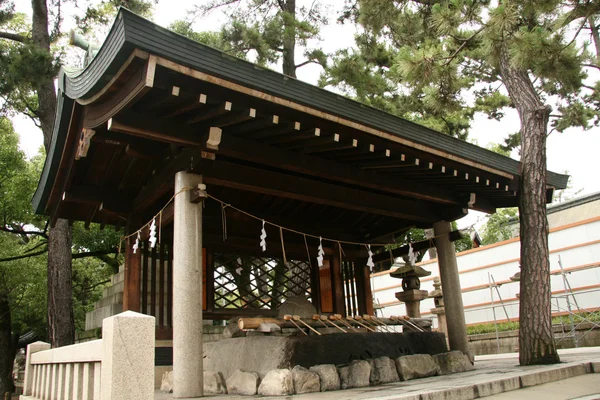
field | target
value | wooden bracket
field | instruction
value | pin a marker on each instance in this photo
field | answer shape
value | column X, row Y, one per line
column 198, row 195
column 84, row 143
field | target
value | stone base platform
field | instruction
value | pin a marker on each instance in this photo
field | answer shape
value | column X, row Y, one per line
column 262, row 354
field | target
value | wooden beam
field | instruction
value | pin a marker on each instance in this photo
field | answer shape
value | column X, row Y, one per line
column 160, row 130
column 222, row 173
column 321, row 168
column 416, row 246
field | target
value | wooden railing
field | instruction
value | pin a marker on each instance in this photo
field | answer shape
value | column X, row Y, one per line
column 117, row 367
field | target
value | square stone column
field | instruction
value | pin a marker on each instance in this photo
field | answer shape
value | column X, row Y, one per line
column 128, row 358
column 455, row 313
column 187, row 290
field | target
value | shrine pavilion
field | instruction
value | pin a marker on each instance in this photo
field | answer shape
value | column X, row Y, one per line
column 155, row 114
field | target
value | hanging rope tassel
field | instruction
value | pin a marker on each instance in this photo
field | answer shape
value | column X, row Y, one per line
column 159, row 226
column 320, row 253
column 370, row 262
column 263, row 237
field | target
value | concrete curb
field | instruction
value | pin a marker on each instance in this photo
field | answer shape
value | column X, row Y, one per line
column 521, row 380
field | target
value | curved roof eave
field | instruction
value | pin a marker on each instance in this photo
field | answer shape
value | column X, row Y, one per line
column 130, row 31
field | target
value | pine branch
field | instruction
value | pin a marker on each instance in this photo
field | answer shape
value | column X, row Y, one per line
column 94, row 286
column 14, row 37
column 302, row 64
column 462, row 46
column 86, row 254
column 22, row 256
column 592, row 66
column 23, row 232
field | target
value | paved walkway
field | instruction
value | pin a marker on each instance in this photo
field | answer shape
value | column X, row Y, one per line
column 493, row 374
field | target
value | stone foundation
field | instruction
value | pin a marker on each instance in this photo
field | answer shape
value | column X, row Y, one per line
column 262, row 354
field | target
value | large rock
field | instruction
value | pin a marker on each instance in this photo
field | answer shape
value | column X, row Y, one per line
column 297, row 305
column 453, row 362
column 232, row 330
column 166, row 384
column 244, row 383
column 305, row 381
column 416, row 366
column 328, row 375
column 383, row 370
column 214, row 383
column 356, row 374
column 277, row 382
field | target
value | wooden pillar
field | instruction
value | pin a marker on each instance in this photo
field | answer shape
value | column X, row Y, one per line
column 188, row 379
column 133, row 268
column 363, row 287
column 455, row 313
column 339, row 306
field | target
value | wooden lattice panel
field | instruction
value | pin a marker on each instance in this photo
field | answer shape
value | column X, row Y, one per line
column 242, row 282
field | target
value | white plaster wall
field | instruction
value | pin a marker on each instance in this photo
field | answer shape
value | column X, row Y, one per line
column 577, row 246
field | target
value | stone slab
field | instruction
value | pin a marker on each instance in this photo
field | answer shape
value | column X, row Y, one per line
column 244, row 383
column 265, row 353
column 383, row 370
column 453, row 362
column 416, row 366
column 355, row 375
column 214, row 383
column 492, row 374
column 305, row 381
column 278, row 382
column 328, row 376
column 551, row 375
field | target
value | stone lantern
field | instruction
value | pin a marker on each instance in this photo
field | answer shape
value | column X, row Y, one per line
column 438, row 300
column 411, row 294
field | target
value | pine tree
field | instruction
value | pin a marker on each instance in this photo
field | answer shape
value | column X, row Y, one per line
column 271, row 29
column 526, row 54
column 28, row 67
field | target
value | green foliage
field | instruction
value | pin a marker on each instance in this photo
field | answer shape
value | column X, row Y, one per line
column 23, row 244
column 499, row 226
column 269, row 30
column 212, row 39
column 490, row 327
column 103, row 13
column 417, row 59
column 480, row 329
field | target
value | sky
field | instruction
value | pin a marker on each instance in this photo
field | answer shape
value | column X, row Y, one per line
column 575, row 150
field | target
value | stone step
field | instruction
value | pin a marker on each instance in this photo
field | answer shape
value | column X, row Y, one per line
column 94, row 318
column 118, row 277
column 114, row 289
column 116, row 298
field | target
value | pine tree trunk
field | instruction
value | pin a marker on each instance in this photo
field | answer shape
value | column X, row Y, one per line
column 536, row 341
column 7, row 347
column 61, row 324
column 289, row 39
column 61, row 327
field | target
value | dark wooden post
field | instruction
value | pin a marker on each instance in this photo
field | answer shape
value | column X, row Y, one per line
column 133, row 267
column 363, row 287
column 338, row 282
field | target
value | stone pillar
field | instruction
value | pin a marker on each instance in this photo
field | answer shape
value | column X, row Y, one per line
column 455, row 313
column 187, row 291
column 438, row 300
column 127, row 358
column 31, row 349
